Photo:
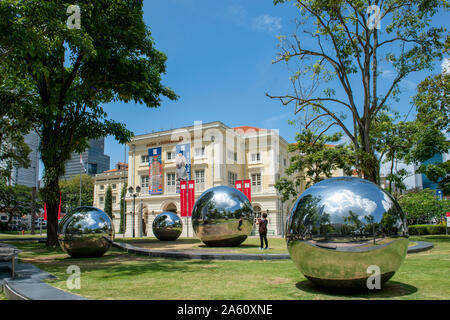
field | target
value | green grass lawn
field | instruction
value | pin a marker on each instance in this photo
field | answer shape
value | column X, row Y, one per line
column 17, row 234
column 249, row 246
column 119, row 275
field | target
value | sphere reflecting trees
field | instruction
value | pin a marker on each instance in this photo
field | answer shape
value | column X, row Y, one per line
column 222, row 216
column 167, row 226
column 342, row 230
column 86, row 232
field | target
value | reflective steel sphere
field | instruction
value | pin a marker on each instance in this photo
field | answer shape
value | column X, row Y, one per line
column 223, row 217
column 340, row 227
column 86, row 232
column 167, row 226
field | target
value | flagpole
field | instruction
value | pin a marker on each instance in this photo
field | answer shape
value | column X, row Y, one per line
column 81, row 167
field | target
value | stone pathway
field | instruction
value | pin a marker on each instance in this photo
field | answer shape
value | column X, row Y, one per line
column 28, row 284
column 191, row 254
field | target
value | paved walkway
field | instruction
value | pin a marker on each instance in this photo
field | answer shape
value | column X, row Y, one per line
column 189, row 254
column 420, row 246
column 28, row 284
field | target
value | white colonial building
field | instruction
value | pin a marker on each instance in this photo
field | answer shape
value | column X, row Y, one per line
column 219, row 155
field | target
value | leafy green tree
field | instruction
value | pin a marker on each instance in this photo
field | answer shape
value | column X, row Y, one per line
column 423, row 207
column 340, row 46
column 108, row 202
column 70, row 192
column 432, row 123
column 16, row 200
column 315, row 155
column 123, row 209
column 74, row 72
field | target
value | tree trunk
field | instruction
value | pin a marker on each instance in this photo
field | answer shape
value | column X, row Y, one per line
column 369, row 162
column 33, row 209
column 51, row 198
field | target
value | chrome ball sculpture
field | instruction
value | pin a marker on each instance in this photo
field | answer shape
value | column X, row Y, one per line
column 341, row 231
column 86, row 232
column 167, row 226
column 222, row 217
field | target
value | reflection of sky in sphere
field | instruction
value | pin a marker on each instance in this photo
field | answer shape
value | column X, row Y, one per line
column 340, row 203
column 224, row 201
column 85, row 219
column 339, row 196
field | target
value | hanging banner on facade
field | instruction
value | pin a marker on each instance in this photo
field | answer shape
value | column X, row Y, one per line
column 191, row 196
column 183, row 198
column 155, row 171
column 183, row 163
column 247, row 189
column 238, row 185
column 59, row 209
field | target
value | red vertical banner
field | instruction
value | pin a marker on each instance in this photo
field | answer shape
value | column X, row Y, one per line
column 59, row 209
column 248, row 189
column 183, row 198
column 239, row 185
column 191, row 196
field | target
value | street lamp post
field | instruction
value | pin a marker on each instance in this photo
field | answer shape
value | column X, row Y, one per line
column 212, row 141
column 140, row 219
column 134, row 195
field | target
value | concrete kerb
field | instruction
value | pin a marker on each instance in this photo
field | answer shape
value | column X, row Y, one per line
column 419, row 247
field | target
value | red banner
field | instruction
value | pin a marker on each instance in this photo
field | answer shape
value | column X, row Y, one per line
column 183, row 198
column 59, row 209
column 238, row 185
column 248, row 189
column 191, row 196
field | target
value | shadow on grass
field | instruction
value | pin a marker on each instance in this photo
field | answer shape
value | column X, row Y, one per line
column 390, row 289
column 154, row 240
column 437, row 238
column 116, row 265
column 241, row 246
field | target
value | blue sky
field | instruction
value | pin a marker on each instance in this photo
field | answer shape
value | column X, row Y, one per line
column 220, row 64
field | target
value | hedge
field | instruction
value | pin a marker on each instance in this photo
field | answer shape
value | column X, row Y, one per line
column 425, row 229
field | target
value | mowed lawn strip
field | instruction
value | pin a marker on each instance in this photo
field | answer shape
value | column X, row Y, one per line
column 119, row 275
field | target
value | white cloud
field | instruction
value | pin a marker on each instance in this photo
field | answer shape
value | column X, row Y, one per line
column 387, row 74
column 266, row 23
column 345, row 201
column 445, row 66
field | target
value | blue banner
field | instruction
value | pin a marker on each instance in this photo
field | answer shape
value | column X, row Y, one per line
column 155, row 171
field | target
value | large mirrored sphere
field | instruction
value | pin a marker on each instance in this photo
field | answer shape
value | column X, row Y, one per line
column 86, row 232
column 343, row 230
column 167, row 226
column 222, row 217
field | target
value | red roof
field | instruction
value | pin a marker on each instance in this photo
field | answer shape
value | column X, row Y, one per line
column 246, row 128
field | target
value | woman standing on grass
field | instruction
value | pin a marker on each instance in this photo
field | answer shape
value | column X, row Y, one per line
column 263, row 231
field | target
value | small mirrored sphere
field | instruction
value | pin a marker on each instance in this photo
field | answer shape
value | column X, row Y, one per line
column 86, row 232
column 167, row 226
column 222, row 216
column 341, row 231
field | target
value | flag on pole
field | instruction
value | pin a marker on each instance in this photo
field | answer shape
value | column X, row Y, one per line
column 82, row 163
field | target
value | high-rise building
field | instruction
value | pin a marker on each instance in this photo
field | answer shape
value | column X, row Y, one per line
column 94, row 160
column 28, row 176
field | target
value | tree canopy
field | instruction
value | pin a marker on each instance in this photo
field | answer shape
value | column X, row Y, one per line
column 107, row 55
column 70, row 192
column 338, row 46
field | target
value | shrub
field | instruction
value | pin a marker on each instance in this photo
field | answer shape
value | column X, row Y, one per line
column 426, row 229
